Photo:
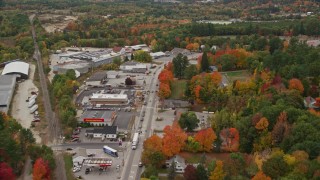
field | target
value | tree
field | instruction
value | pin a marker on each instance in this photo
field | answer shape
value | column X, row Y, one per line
column 201, row 172
column 296, row 84
column 204, row 62
column 173, row 140
column 152, row 153
column 275, row 43
column 117, row 61
column 172, row 172
column 128, row 81
column 6, row 172
column 126, row 59
column 132, row 57
column 206, row 137
column 142, row 56
column 180, row 64
column 188, row 120
column 262, row 124
column 227, row 62
column 275, row 167
column 261, row 176
column 190, row 71
column 165, row 76
column 71, row 74
column 164, row 91
column 41, row 170
column 218, row 173
column 190, row 173
column 280, row 129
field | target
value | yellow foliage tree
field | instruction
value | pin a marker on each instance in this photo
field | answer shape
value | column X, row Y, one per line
column 218, row 173
column 262, row 124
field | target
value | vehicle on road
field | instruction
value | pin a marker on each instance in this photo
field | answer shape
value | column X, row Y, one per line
column 135, row 141
column 91, row 155
column 33, row 108
column 69, row 149
column 87, row 171
column 140, row 164
column 110, row 151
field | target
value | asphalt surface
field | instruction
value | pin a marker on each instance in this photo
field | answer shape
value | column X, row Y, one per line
column 114, row 145
column 135, row 155
column 54, row 126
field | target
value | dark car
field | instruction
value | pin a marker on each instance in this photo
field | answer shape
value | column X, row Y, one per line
column 91, row 155
column 69, row 149
column 87, row 171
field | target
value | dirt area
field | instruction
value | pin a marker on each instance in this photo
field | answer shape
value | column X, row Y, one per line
column 20, row 110
column 52, row 23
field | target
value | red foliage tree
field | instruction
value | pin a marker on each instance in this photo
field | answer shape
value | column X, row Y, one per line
column 41, row 170
column 230, row 139
column 190, row 173
column 165, row 76
column 173, row 139
column 6, row 172
column 205, row 138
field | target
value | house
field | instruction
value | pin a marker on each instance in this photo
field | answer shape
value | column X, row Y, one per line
column 213, row 68
column 310, row 102
column 97, row 80
column 108, row 132
column 179, row 163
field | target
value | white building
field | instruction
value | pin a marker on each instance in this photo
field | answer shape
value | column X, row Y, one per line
column 19, row 68
column 157, row 55
column 104, row 99
column 134, row 67
column 108, row 132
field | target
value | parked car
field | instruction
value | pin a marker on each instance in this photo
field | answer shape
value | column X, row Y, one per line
column 75, row 140
column 69, row 149
column 87, row 171
column 140, row 164
column 91, row 155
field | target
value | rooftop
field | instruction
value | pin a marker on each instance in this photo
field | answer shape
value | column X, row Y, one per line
column 110, row 96
column 112, row 72
column 104, row 130
column 98, row 76
column 7, row 85
column 98, row 114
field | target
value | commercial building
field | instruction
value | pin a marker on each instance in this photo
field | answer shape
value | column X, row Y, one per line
column 98, row 79
column 63, row 66
column 108, row 99
column 134, row 67
column 7, row 86
column 18, row 68
column 157, row 55
column 108, row 132
column 98, row 118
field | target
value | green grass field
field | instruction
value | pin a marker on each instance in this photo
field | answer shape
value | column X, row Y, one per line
column 177, row 89
column 68, row 165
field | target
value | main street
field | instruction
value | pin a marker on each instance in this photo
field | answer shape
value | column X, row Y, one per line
column 131, row 169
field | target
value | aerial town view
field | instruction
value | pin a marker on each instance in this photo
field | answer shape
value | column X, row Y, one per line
column 160, row 89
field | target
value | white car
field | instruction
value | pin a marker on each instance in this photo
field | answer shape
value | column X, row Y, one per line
column 76, row 169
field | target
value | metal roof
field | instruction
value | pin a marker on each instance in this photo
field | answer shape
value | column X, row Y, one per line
column 7, row 85
column 16, row 67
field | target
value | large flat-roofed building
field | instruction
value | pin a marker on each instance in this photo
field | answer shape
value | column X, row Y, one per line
column 108, row 99
column 7, row 86
column 134, row 67
column 98, row 117
column 97, row 79
column 109, row 132
column 18, row 68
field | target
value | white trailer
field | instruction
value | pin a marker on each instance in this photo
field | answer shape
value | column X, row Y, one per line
column 31, row 103
column 135, row 141
column 33, row 97
column 33, row 108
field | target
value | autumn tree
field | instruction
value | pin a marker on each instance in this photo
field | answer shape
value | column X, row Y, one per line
column 261, row 176
column 188, row 120
column 280, row 129
column 296, row 84
column 164, row 91
column 165, row 76
column 230, row 139
column 190, row 173
column 275, row 167
column 173, row 139
column 201, row 172
column 262, row 124
column 180, row 63
column 142, row 56
column 152, row 153
column 6, row 172
column 204, row 62
column 206, row 137
column 218, row 172
column 41, row 170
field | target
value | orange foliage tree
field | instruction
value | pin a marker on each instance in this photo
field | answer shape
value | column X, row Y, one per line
column 280, row 129
column 261, row 176
column 173, row 139
column 262, row 124
column 230, row 139
column 205, row 138
column 152, row 153
column 41, row 170
column 296, row 84
column 165, row 76
column 164, row 91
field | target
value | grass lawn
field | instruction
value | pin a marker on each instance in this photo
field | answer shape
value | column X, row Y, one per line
column 237, row 75
column 177, row 89
column 68, row 166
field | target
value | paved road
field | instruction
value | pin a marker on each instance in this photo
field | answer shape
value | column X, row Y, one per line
column 131, row 170
column 114, row 145
column 54, row 126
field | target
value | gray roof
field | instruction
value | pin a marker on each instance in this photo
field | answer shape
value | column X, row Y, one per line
column 97, row 114
column 98, row 76
column 104, row 130
column 7, row 85
column 130, row 63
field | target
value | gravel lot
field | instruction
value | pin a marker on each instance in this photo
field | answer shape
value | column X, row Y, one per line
column 20, row 110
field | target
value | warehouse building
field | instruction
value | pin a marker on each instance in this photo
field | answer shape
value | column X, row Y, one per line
column 98, row 79
column 7, row 86
column 108, row 99
column 134, row 67
column 98, row 118
column 18, row 68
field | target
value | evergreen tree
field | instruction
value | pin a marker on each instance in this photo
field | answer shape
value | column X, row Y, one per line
column 126, row 59
column 204, row 62
column 132, row 57
column 172, row 173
